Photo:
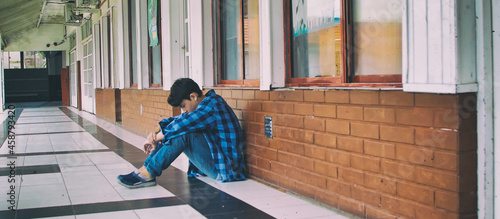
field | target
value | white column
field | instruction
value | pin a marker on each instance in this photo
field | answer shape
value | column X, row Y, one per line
column 2, row 92
column 142, row 44
column 485, row 150
column 165, row 45
column 120, row 35
column 266, row 61
column 496, row 101
column 440, row 52
column 195, row 15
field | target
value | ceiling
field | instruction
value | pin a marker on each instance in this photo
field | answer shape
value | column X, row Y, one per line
column 22, row 20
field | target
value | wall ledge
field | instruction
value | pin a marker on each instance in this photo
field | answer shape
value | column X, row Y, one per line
column 441, row 88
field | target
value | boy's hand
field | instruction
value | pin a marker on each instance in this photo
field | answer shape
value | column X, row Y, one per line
column 150, row 143
column 149, row 147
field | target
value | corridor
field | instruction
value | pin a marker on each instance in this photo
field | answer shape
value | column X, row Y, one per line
column 58, row 162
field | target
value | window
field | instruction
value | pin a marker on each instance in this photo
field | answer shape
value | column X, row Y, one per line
column 238, row 37
column 154, row 48
column 133, row 42
column 86, row 29
column 12, row 60
column 377, row 41
column 31, row 59
column 34, row 60
column 335, row 42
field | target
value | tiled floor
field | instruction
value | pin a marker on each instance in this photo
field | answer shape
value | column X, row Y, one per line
column 65, row 164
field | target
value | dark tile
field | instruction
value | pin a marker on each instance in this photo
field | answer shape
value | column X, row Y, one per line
column 49, row 133
column 199, row 195
column 27, row 170
column 4, row 126
column 44, row 212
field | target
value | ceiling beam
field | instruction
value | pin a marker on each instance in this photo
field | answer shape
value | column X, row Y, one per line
column 41, row 13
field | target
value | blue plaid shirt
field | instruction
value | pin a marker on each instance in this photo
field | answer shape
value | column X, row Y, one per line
column 220, row 126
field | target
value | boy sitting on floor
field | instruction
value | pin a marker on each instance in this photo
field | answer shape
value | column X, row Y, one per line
column 207, row 131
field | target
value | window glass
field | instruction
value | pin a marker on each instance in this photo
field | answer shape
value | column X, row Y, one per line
column 5, row 60
column 29, row 59
column 239, row 37
column 12, row 60
column 86, row 29
column 133, row 42
column 154, row 50
column 40, row 60
column 377, row 37
column 231, row 36
column 156, row 68
column 316, row 38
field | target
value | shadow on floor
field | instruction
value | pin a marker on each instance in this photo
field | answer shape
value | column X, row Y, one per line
column 35, row 104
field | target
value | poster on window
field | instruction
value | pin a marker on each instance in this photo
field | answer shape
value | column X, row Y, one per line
column 152, row 18
column 313, row 15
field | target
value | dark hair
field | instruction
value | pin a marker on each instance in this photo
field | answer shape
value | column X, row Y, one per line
column 181, row 89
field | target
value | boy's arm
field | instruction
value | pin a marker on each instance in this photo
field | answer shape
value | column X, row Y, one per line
column 202, row 118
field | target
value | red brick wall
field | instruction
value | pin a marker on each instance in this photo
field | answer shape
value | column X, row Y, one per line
column 154, row 108
column 108, row 104
column 371, row 153
column 376, row 154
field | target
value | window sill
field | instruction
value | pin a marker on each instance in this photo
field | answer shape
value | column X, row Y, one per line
column 350, row 86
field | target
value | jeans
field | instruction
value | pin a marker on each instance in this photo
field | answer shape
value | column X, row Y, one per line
column 193, row 144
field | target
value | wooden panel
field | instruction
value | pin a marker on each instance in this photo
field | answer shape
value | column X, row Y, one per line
column 65, row 86
column 466, row 41
column 448, row 22
column 411, row 43
column 405, row 42
column 420, row 38
column 265, row 45
column 196, row 42
column 435, row 39
column 441, row 46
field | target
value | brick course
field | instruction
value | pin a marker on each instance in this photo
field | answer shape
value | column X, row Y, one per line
column 376, row 154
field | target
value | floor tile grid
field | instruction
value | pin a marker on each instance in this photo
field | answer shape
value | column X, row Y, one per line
column 264, row 197
column 60, row 181
column 204, row 198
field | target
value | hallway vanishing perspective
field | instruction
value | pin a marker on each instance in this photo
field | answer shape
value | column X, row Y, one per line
column 64, row 164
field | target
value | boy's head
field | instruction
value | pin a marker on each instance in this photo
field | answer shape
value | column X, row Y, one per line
column 186, row 94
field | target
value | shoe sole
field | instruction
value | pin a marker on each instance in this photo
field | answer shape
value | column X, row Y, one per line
column 146, row 184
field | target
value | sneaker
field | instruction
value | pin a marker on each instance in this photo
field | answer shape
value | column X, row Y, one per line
column 134, row 180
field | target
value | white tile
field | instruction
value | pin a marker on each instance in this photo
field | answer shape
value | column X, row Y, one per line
column 18, row 161
column 40, row 160
column 275, row 202
column 105, row 158
column 42, row 179
column 71, row 160
column 143, row 193
column 302, row 211
column 333, row 216
column 43, row 196
column 118, row 166
column 18, row 145
column 248, row 189
column 63, row 127
column 5, row 187
column 38, row 143
column 83, row 170
column 95, row 198
column 180, row 211
column 107, row 215
column 90, row 188
column 38, row 128
column 61, row 217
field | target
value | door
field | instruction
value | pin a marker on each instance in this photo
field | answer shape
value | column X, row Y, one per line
column 65, row 86
column 88, row 78
column 72, row 75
